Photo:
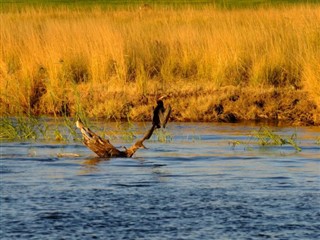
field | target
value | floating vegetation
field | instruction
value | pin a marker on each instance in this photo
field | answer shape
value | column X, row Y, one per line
column 235, row 143
column 266, row 137
column 63, row 130
column 35, row 128
column 21, row 128
column 161, row 135
column 58, row 136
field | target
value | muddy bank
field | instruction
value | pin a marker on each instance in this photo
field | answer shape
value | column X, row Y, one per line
column 197, row 104
column 231, row 104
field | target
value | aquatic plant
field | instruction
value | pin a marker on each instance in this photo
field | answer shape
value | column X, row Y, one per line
column 58, row 136
column 266, row 137
column 7, row 129
column 37, row 128
column 20, row 128
column 128, row 135
column 69, row 124
column 235, row 143
column 162, row 135
column 63, row 129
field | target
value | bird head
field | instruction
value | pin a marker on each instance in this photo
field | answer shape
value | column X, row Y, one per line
column 160, row 103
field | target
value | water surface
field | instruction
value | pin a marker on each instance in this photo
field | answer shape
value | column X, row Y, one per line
column 195, row 187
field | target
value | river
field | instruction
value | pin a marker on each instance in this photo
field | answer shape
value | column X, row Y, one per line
column 194, row 185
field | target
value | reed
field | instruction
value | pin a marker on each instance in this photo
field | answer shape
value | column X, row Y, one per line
column 20, row 128
column 37, row 128
column 266, row 137
column 7, row 129
column 163, row 136
column 64, row 130
column 62, row 61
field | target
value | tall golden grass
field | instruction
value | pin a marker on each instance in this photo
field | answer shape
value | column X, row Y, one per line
column 58, row 61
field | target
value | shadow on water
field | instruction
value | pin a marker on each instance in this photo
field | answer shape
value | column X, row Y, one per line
column 195, row 187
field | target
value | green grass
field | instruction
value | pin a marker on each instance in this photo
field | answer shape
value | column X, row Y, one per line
column 265, row 137
column 227, row 4
column 63, row 130
column 21, row 128
column 162, row 135
column 37, row 128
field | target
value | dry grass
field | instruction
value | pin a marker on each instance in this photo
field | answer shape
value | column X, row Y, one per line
column 113, row 63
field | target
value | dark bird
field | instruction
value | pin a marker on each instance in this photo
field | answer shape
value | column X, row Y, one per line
column 160, row 114
column 103, row 148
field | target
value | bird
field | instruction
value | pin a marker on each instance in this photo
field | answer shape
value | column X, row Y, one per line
column 104, row 149
column 160, row 114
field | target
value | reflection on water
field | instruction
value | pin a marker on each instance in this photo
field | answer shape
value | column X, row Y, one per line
column 91, row 165
column 195, row 187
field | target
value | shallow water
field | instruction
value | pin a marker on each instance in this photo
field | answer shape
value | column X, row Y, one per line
column 195, row 187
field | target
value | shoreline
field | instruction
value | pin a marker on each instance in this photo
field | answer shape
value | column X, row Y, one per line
column 216, row 66
column 275, row 106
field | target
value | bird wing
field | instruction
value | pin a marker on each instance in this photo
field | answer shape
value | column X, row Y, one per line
column 164, row 116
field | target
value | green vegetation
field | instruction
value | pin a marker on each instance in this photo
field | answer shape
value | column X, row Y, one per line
column 226, row 4
column 161, row 135
column 21, row 128
column 64, row 130
column 265, row 137
column 35, row 128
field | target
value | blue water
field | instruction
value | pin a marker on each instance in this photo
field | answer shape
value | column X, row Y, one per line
column 196, row 186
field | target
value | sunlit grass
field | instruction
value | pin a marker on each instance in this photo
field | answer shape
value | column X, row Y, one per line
column 62, row 61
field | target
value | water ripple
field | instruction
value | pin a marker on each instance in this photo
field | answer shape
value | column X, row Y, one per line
column 179, row 190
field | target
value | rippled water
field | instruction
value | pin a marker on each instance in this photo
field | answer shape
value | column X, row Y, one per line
column 195, row 187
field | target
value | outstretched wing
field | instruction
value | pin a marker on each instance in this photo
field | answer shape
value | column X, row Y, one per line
column 164, row 116
column 102, row 147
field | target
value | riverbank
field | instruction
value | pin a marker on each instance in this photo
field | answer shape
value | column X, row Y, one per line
column 215, row 64
column 226, row 104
